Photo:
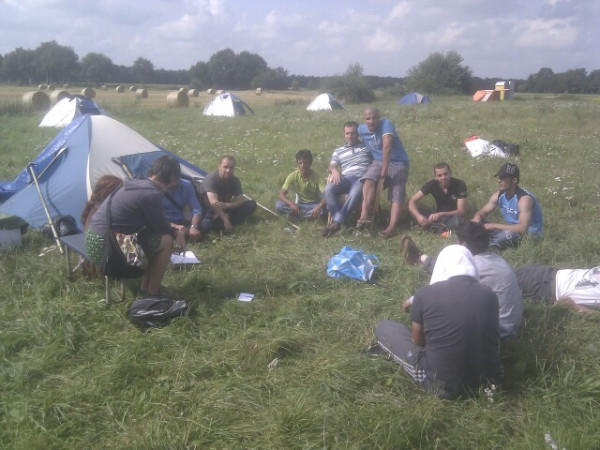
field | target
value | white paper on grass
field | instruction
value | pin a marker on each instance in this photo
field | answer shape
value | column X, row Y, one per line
column 245, row 297
column 187, row 257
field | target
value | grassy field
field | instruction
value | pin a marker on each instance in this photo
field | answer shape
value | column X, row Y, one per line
column 76, row 374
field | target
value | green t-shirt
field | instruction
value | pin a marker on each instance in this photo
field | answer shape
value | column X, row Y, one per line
column 307, row 188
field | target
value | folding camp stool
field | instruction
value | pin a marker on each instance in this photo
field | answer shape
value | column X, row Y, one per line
column 76, row 243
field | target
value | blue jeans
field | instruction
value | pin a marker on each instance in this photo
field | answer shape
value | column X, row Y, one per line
column 305, row 208
column 347, row 185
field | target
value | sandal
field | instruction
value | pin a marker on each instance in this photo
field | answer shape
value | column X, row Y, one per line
column 363, row 223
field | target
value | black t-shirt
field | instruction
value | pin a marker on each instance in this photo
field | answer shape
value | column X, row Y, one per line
column 225, row 189
column 445, row 201
column 460, row 322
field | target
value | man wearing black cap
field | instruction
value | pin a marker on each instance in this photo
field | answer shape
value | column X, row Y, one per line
column 518, row 206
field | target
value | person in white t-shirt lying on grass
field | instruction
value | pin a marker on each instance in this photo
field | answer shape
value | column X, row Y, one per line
column 578, row 287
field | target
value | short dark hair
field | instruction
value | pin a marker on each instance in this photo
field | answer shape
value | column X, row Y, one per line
column 166, row 169
column 304, row 154
column 441, row 165
column 474, row 235
column 351, row 123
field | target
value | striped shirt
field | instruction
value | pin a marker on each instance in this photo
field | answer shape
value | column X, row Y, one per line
column 353, row 160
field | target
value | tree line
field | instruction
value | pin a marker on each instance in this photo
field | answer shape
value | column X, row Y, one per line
column 439, row 73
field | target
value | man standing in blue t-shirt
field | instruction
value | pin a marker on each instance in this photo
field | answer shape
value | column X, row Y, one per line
column 390, row 163
column 519, row 207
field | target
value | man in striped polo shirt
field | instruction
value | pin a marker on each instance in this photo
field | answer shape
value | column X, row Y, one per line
column 348, row 164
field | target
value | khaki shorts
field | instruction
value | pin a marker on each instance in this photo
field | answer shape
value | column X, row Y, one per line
column 395, row 180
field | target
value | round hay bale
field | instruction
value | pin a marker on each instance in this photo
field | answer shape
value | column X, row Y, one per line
column 178, row 99
column 193, row 92
column 88, row 92
column 42, row 86
column 58, row 95
column 258, row 91
column 210, row 91
column 141, row 93
column 51, row 87
column 219, row 92
column 132, row 88
column 36, row 100
column 120, row 89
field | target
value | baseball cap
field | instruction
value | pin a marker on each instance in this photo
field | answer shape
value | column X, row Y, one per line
column 508, row 170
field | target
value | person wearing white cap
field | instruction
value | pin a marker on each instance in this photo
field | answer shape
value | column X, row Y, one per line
column 453, row 343
column 519, row 207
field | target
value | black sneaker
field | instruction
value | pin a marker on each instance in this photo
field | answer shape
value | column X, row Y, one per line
column 374, row 349
column 330, row 229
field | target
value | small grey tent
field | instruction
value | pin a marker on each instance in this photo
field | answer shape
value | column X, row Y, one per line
column 324, row 102
column 227, row 105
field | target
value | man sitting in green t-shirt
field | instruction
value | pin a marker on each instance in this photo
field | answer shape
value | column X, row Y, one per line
column 305, row 184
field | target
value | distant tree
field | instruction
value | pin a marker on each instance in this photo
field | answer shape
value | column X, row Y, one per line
column 143, row 70
column 18, row 66
column 352, row 87
column 200, row 75
column 56, row 63
column 174, row 77
column 572, row 81
column 543, row 81
column 276, row 79
column 593, row 82
column 97, row 68
column 221, row 68
column 248, row 66
column 440, row 73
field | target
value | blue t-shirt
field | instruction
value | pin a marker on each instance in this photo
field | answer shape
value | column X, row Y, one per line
column 509, row 207
column 184, row 195
column 374, row 142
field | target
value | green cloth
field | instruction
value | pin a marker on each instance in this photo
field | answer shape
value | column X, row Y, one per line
column 95, row 249
column 308, row 189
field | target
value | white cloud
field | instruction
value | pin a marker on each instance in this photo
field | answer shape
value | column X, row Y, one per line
column 382, row 41
column 555, row 33
column 400, row 11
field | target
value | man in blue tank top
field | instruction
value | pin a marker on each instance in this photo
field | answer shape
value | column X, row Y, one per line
column 519, row 207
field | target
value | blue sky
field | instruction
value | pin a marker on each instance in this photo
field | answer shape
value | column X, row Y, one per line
column 503, row 38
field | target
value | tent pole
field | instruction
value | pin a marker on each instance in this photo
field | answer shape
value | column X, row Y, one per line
column 272, row 212
column 50, row 222
column 58, row 153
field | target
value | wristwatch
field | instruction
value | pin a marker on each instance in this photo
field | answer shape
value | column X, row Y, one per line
column 194, row 226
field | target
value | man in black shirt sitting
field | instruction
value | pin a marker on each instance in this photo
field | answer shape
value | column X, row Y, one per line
column 452, row 345
column 450, row 196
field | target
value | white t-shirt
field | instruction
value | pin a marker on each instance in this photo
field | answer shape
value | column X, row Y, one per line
column 580, row 285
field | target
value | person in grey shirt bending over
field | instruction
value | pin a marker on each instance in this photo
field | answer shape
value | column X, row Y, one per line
column 494, row 272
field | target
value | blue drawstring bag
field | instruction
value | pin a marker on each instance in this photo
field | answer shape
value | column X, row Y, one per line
column 352, row 263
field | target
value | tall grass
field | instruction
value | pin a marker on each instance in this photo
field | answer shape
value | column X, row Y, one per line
column 286, row 371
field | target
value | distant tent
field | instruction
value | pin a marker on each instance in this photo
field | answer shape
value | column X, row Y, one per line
column 414, row 98
column 68, row 109
column 69, row 166
column 324, row 102
column 486, row 95
column 226, row 104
